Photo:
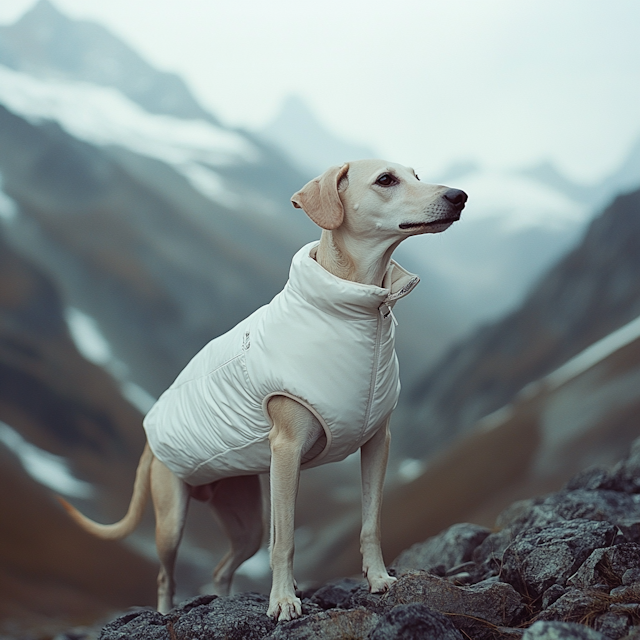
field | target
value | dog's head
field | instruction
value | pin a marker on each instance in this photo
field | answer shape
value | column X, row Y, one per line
column 380, row 198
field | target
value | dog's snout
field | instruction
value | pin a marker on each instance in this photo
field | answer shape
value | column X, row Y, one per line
column 456, row 197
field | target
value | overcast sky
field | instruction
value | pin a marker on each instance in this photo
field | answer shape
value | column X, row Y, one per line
column 505, row 82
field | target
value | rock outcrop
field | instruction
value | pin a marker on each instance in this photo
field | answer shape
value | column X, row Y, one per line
column 564, row 566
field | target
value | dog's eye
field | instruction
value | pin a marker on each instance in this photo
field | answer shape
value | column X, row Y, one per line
column 386, row 180
column 417, row 176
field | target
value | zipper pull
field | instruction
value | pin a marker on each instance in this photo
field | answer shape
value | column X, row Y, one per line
column 388, row 313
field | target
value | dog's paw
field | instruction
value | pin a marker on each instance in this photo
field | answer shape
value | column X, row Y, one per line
column 380, row 583
column 284, row 608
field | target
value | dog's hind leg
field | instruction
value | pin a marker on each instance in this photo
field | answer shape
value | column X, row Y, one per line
column 170, row 502
column 237, row 502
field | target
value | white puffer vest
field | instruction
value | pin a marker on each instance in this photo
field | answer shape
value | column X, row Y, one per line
column 327, row 342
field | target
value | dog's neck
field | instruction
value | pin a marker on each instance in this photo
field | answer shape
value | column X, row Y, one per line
column 360, row 260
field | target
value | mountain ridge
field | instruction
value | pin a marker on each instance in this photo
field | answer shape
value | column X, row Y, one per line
column 44, row 42
column 591, row 292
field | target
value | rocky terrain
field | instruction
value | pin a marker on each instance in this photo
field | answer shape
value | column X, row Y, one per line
column 564, row 566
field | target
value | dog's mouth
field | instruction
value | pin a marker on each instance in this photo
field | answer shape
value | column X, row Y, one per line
column 433, row 223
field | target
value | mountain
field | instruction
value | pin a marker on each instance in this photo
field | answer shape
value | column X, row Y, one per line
column 625, row 178
column 297, row 132
column 592, row 291
column 49, row 392
column 45, row 43
column 52, row 574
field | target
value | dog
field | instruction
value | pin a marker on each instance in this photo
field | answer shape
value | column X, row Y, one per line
column 305, row 380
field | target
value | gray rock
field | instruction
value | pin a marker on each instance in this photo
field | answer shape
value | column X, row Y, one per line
column 488, row 555
column 415, row 622
column 552, row 594
column 613, row 625
column 630, row 529
column 239, row 617
column 576, row 605
column 336, row 594
column 592, row 479
column 626, row 473
column 540, row 557
column 335, row 624
column 621, row 509
column 612, row 506
column 450, row 548
column 142, row 624
column 631, row 576
column 507, row 633
column 607, row 566
column 496, row 602
column 516, row 511
column 561, row 631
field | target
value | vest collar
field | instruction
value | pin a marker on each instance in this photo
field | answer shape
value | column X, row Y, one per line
column 342, row 297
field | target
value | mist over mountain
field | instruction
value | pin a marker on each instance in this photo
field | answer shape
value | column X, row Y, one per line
column 625, row 178
column 46, row 43
column 592, row 291
column 299, row 134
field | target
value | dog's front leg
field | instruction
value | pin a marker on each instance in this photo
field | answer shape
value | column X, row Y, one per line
column 374, row 455
column 287, row 439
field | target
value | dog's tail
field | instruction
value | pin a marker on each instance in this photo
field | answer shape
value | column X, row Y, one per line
column 132, row 519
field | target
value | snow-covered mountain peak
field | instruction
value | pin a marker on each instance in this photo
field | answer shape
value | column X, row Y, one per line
column 46, row 43
column 519, row 202
column 103, row 116
column 302, row 136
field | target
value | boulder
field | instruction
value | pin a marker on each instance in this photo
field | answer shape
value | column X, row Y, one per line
column 449, row 549
column 543, row 556
column 608, row 566
column 241, row 617
column 335, row 624
column 336, row 594
column 415, row 622
column 139, row 624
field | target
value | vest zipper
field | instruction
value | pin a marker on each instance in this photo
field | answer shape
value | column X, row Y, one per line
column 374, row 373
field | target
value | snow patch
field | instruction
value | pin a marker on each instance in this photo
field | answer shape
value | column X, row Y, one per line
column 87, row 337
column 519, row 202
column 44, row 467
column 103, row 116
column 595, row 353
column 93, row 345
column 210, row 184
column 410, row 469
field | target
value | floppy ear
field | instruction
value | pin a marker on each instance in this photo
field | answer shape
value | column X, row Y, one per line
column 320, row 199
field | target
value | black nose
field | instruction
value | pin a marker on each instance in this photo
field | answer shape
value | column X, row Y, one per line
column 455, row 197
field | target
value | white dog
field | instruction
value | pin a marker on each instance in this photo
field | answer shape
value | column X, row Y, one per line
column 305, row 380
